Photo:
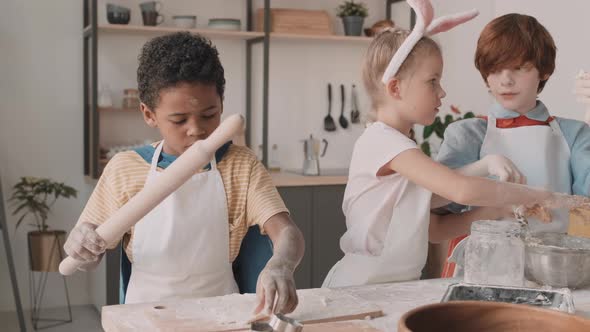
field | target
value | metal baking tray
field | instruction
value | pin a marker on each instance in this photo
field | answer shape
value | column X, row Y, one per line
column 556, row 299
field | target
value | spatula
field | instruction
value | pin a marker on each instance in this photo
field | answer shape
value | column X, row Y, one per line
column 354, row 113
column 329, row 124
column 343, row 121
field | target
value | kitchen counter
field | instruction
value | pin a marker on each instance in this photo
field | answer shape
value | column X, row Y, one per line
column 293, row 178
column 393, row 299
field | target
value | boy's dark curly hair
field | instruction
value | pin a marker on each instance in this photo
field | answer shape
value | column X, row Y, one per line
column 179, row 57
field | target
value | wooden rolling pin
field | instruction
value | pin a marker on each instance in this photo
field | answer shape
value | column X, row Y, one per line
column 193, row 159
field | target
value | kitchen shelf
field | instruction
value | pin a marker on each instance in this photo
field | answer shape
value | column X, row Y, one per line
column 93, row 30
column 238, row 35
column 335, row 38
column 211, row 33
column 117, row 109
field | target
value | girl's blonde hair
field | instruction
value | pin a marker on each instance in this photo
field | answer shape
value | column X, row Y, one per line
column 380, row 52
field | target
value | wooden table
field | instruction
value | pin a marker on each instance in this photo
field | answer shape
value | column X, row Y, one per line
column 293, row 179
column 190, row 315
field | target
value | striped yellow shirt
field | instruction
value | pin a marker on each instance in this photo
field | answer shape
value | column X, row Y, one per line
column 251, row 196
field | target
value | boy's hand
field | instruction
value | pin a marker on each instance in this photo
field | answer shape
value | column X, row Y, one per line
column 504, row 169
column 276, row 290
column 84, row 244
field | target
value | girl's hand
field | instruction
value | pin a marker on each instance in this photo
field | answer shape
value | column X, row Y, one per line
column 537, row 211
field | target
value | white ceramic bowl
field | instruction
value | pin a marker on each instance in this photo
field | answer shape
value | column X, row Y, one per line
column 225, row 24
column 185, row 21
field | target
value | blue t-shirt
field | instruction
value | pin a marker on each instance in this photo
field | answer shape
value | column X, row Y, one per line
column 147, row 153
column 463, row 140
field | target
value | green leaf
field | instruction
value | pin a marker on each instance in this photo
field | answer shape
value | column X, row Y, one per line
column 437, row 122
column 19, row 208
column 428, row 130
column 20, row 220
column 30, row 196
column 425, row 147
column 469, row 115
column 351, row 8
column 439, row 130
column 448, row 120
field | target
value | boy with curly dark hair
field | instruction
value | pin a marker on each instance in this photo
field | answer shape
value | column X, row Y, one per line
column 185, row 247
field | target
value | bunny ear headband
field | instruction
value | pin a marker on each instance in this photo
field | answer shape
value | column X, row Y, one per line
column 425, row 26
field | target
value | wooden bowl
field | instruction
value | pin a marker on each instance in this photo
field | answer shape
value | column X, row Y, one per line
column 466, row 316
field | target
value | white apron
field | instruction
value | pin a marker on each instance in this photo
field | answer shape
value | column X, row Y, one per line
column 405, row 246
column 181, row 248
column 542, row 154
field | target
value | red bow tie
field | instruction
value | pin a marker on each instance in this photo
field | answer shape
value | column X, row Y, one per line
column 521, row 121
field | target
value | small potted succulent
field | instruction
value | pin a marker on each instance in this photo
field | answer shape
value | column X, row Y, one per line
column 353, row 16
column 439, row 126
column 34, row 197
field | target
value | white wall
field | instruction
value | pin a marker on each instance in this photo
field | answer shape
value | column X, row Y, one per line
column 41, row 122
column 41, row 92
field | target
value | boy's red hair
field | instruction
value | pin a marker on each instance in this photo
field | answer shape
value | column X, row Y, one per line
column 511, row 40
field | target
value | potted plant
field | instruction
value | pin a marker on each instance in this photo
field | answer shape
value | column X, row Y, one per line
column 33, row 198
column 439, row 126
column 353, row 16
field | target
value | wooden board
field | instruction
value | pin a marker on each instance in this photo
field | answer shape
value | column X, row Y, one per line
column 296, row 21
column 580, row 223
column 231, row 313
column 340, row 327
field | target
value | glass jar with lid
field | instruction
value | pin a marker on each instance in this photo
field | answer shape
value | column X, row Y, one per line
column 130, row 99
column 105, row 98
column 495, row 253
